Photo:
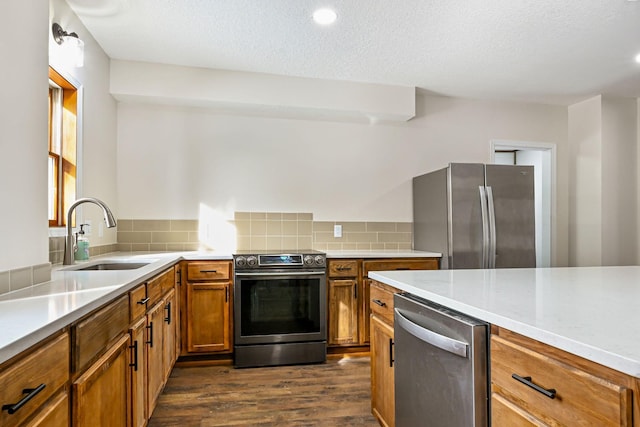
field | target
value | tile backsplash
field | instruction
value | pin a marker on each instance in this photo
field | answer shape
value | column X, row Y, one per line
column 253, row 231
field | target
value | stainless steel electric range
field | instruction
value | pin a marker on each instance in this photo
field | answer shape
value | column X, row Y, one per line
column 280, row 308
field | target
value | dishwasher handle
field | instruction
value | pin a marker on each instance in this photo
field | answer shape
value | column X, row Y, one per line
column 445, row 343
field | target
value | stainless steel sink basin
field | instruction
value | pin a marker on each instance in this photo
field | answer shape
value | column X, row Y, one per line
column 113, row 266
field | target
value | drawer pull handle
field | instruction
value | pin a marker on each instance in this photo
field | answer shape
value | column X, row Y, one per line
column 208, row 271
column 30, row 394
column 341, row 268
column 549, row 392
column 144, row 301
column 380, row 303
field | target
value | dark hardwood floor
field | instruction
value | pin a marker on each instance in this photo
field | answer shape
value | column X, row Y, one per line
column 336, row 393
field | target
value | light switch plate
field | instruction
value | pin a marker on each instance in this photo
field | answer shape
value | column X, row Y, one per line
column 337, row 230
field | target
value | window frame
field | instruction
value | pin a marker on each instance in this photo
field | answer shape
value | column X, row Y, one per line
column 65, row 127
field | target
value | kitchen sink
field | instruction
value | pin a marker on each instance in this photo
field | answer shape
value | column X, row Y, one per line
column 114, row 265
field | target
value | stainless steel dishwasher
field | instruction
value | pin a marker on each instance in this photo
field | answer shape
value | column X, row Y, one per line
column 441, row 374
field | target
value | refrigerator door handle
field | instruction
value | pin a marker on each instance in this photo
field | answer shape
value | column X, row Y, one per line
column 492, row 229
column 485, row 227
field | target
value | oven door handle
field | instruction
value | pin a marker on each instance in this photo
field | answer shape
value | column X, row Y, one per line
column 283, row 273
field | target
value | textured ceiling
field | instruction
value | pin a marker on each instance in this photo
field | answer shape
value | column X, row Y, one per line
column 551, row 51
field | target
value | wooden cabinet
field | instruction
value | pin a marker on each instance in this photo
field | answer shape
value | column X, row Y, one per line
column 533, row 384
column 100, row 394
column 207, row 301
column 53, row 414
column 170, row 332
column 92, row 334
column 155, row 352
column 349, row 313
column 138, row 371
column 35, row 385
column 382, row 374
column 154, row 341
column 343, row 311
column 343, row 315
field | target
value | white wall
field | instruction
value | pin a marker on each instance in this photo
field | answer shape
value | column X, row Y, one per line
column 619, row 181
column 585, row 217
column 603, row 137
column 97, row 154
column 23, row 120
column 171, row 159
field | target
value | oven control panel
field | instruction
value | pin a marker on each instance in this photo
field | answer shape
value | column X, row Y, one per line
column 288, row 260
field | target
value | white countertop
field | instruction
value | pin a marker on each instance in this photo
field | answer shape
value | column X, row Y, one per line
column 29, row 315
column 592, row 312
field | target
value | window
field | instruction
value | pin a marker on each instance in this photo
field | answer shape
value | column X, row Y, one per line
column 63, row 112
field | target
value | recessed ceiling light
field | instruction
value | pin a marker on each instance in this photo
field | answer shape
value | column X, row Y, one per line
column 638, row 58
column 324, row 16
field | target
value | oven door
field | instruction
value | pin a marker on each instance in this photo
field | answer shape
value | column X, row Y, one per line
column 279, row 307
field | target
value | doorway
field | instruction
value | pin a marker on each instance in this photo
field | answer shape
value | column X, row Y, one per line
column 542, row 156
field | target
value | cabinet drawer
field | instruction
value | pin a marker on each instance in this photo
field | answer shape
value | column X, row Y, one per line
column 138, row 302
column 54, row 414
column 400, row 264
column 204, row 271
column 93, row 334
column 343, row 268
column 580, row 397
column 160, row 285
column 381, row 301
column 48, row 366
column 505, row 413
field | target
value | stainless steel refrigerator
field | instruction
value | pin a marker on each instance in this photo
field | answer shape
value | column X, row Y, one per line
column 476, row 215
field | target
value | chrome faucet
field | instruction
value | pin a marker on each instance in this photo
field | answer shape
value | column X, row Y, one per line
column 69, row 245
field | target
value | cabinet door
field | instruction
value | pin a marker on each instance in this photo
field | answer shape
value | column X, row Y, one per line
column 343, row 311
column 208, row 317
column 365, row 311
column 155, row 352
column 170, row 323
column 382, row 377
column 100, row 394
column 138, row 367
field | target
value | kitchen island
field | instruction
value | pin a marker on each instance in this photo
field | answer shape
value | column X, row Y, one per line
column 592, row 312
column 571, row 332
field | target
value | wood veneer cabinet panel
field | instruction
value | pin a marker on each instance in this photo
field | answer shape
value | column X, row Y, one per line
column 505, row 413
column 400, row 264
column 581, row 397
column 382, row 375
column 138, row 373
column 343, row 268
column 343, row 311
column 100, row 395
column 92, row 334
column 138, row 302
column 48, row 365
column 208, row 327
column 160, row 285
column 169, row 324
column 208, row 270
column 381, row 300
column 54, row 414
column 155, row 352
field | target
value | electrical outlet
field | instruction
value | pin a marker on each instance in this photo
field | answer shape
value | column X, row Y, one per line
column 337, row 230
column 101, row 229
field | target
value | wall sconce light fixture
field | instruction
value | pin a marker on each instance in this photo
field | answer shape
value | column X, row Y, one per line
column 71, row 44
